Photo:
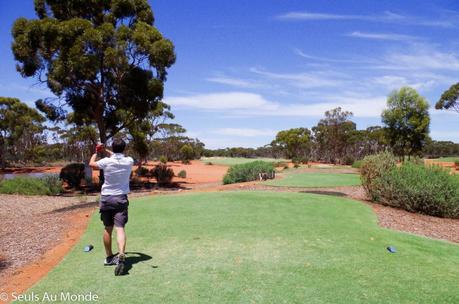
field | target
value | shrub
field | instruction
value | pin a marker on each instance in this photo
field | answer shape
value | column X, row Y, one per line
column 247, row 172
column 72, row 174
column 296, row 165
column 417, row 188
column 373, row 167
column 182, row 174
column 53, row 183
column 163, row 159
column 26, row 185
column 142, row 172
column 348, row 160
column 357, row 164
column 209, row 163
column 163, row 174
column 186, row 153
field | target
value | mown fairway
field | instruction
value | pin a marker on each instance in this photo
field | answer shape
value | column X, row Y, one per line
column 260, row 247
column 314, row 179
column 229, row 161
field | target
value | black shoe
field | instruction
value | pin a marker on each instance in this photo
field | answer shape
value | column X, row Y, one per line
column 119, row 270
column 111, row 260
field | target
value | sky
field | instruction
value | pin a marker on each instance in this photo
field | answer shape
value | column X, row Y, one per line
column 247, row 69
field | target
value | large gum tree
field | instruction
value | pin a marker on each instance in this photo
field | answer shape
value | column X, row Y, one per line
column 103, row 59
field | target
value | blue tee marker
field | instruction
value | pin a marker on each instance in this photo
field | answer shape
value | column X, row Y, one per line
column 88, row 248
column 391, row 249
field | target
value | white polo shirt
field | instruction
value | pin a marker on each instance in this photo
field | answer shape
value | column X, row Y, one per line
column 117, row 169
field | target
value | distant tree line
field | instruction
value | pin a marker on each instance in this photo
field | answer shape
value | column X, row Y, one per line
column 336, row 139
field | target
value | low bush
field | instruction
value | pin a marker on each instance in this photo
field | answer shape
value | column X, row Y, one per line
column 142, row 172
column 209, row 163
column 417, row 188
column 186, row 154
column 372, row 168
column 28, row 185
column 182, row 174
column 357, row 164
column 72, row 174
column 53, row 183
column 247, row 172
column 163, row 174
column 348, row 160
column 163, row 159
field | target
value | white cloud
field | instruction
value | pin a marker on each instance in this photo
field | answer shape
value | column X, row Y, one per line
column 244, row 132
column 445, row 135
column 222, row 101
column 324, row 59
column 422, row 58
column 235, row 82
column 251, row 105
column 386, row 17
column 383, row 36
column 304, row 80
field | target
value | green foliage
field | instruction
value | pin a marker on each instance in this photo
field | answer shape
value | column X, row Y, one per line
column 186, row 153
column 163, row 174
column 449, row 100
column 333, row 135
column 104, row 58
column 372, row 168
column 27, row 185
column 163, row 159
column 414, row 187
column 72, row 174
column 357, row 164
column 142, row 172
column 348, row 160
column 247, row 172
column 440, row 149
column 53, row 183
column 293, row 142
column 182, row 174
column 407, row 120
column 20, row 131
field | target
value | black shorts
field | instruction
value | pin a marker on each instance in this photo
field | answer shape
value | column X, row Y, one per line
column 114, row 210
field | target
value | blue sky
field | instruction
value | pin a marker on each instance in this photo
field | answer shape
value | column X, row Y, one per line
column 247, row 69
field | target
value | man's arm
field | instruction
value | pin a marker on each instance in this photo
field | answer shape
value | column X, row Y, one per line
column 92, row 162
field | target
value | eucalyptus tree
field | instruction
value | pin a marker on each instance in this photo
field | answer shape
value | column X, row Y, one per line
column 104, row 60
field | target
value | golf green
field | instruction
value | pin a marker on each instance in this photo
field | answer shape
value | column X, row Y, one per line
column 316, row 179
column 260, row 247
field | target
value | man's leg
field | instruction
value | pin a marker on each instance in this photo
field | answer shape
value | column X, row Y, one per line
column 121, row 239
column 108, row 240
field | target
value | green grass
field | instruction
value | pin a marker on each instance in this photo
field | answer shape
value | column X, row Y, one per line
column 229, row 161
column 260, row 247
column 314, row 179
column 448, row 159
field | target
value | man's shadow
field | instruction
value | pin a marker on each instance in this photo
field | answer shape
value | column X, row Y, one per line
column 134, row 258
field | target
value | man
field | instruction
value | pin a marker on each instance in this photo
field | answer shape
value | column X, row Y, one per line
column 113, row 200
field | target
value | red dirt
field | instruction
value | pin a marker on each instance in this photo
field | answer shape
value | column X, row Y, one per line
column 25, row 277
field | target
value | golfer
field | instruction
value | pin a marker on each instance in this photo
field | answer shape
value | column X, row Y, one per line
column 114, row 200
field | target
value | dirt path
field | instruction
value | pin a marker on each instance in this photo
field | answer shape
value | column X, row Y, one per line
column 36, row 232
